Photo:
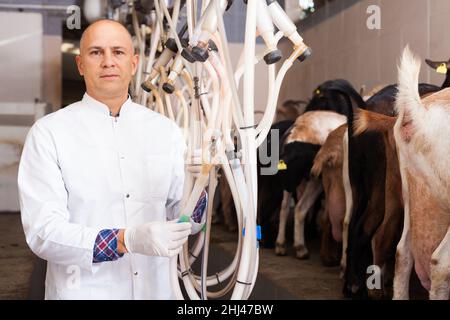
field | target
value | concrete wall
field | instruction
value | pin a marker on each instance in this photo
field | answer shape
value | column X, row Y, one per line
column 345, row 48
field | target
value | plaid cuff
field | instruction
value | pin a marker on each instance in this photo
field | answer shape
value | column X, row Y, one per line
column 105, row 247
column 200, row 207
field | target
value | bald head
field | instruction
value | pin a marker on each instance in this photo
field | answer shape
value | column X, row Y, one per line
column 107, row 26
column 107, row 60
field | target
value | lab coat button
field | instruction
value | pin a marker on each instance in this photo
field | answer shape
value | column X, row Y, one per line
column 136, row 273
column 127, row 195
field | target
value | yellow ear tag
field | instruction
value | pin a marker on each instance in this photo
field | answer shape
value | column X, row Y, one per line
column 317, row 91
column 282, row 165
column 442, row 68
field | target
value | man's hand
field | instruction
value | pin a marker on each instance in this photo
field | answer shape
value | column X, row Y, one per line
column 121, row 242
column 158, row 238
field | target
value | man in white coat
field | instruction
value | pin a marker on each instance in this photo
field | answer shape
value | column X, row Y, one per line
column 100, row 183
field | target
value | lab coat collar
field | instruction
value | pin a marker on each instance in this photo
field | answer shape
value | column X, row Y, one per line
column 103, row 108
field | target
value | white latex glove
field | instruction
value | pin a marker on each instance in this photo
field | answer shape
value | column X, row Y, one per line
column 158, row 238
column 194, row 163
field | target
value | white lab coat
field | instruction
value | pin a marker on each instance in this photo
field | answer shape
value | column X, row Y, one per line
column 82, row 171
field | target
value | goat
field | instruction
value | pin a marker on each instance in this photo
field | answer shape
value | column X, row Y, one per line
column 421, row 133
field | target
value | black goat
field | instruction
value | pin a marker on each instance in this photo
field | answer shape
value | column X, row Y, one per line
column 441, row 67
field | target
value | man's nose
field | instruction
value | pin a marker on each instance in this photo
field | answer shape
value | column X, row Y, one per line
column 108, row 59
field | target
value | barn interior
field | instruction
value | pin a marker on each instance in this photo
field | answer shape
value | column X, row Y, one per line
column 308, row 157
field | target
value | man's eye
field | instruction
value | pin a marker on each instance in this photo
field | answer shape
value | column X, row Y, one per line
column 95, row 52
column 119, row 52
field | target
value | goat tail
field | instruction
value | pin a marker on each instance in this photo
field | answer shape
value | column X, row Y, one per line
column 371, row 121
column 408, row 104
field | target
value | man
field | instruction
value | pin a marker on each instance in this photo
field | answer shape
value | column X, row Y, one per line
column 98, row 181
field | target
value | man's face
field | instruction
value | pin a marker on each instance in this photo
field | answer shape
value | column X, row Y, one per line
column 106, row 59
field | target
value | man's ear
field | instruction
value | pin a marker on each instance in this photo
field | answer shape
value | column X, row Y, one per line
column 134, row 63
column 79, row 65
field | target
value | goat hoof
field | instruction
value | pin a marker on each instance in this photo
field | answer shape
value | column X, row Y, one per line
column 280, row 249
column 301, row 252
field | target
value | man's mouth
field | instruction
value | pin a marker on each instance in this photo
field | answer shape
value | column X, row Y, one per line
column 109, row 76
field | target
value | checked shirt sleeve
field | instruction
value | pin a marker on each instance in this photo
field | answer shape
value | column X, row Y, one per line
column 200, row 207
column 105, row 247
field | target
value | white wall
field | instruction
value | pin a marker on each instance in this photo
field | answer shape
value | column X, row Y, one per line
column 345, row 48
column 12, row 137
column 30, row 62
column 20, row 56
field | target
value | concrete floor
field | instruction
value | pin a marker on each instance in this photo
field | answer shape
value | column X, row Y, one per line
column 287, row 277
column 278, row 278
column 16, row 259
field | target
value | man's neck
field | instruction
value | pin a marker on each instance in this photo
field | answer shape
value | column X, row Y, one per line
column 114, row 103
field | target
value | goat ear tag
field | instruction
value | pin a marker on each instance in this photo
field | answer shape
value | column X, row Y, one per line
column 442, row 68
column 282, row 165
